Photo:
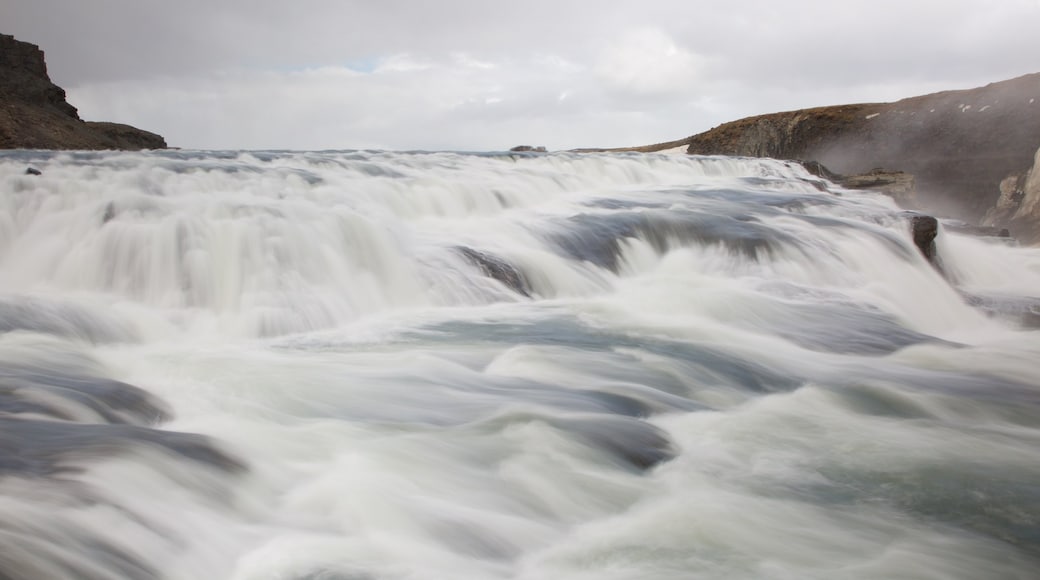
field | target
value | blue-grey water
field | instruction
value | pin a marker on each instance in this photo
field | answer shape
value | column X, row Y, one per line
column 389, row 366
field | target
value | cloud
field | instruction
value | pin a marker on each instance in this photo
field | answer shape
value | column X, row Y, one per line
column 403, row 102
column 469, row 74
column 646, row 61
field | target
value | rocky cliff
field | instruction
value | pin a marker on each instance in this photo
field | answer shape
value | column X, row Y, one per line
column 35, row 115
column 1018, row 207
column 958, row 145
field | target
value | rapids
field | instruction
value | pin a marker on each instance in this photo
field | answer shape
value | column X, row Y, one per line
column 356, row 365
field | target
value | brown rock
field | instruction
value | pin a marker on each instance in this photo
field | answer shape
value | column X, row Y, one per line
column 958, row 145
column 35, row 115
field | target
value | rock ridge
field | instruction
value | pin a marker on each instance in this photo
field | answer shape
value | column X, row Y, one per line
column 958, row 145
column 35, row 115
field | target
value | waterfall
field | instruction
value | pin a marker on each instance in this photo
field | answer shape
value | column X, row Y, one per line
column 387, row 365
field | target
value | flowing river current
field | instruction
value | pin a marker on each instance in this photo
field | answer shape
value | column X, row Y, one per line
column 398, row 366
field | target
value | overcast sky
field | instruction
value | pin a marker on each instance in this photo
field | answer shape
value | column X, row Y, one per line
column 487, row 75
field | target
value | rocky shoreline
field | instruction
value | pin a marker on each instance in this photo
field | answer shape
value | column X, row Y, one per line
column 971, row 155
column 35, row 115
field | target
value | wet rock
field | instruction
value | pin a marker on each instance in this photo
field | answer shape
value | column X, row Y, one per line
column 33, row 448
column 819, row 170
column 81, row 398
column 598, row 239
column 527, row 149
column 497, row 269
column 33, row 171
column 630, row 442
column 58, row 413
column 110, row 213
column 924, row 229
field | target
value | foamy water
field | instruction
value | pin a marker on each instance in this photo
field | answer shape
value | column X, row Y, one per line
column 374, row 365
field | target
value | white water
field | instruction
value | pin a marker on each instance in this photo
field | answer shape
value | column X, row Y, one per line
column 700, row 368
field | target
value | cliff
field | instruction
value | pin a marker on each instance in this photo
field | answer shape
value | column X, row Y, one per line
column 958, row 145
column 35, row 115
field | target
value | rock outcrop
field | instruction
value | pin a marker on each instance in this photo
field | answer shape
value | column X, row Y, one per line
column 1019, row 204
column 35, row 115
column 898, row 185
column 958, row 145
column 924, row 228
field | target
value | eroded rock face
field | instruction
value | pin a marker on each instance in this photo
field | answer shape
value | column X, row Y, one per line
column 958, row 145
column 35, row 115
column 1022, row 201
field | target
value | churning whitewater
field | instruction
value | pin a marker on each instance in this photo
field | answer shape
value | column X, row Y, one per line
column 388, row 366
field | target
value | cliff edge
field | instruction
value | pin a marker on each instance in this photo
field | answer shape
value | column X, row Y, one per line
column 958, row 145
column 35, row 115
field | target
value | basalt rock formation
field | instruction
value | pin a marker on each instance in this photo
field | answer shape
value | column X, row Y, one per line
column 958, row 145
column 35, row 115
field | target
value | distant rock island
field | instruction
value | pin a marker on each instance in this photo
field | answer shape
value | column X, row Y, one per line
column 969, row 153
column 35, row 115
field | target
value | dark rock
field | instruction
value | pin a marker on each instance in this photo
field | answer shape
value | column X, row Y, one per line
column 925, row 228
column 527, row 148
column 73, row 392
column 630, row 442
column 498, row 269
column 122, row 136
column 599, row 239
column 819, row 170
column 35, row 115
column 57, row 412
column 46, row 448
column 110, row 213
column 33, row 171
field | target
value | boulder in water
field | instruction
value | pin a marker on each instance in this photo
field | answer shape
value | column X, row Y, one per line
column 628, row 442
column 925, row 228
column 498, row 269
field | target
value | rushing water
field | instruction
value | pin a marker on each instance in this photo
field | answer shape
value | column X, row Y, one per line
column 382, row 366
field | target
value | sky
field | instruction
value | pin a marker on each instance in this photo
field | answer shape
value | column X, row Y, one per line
column 475, row 75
